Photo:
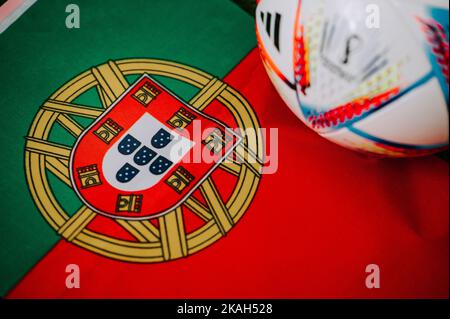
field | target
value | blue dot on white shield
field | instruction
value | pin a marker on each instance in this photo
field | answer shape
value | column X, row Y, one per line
column 128, row 145
column 161, row 139
column 126, row 173
column 160, row 165
column 144, row 156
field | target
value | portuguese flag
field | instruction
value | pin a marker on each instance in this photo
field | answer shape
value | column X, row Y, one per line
column 90, row 115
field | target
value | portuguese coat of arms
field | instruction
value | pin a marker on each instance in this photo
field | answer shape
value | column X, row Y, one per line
column 156, row 177
column 142, row 157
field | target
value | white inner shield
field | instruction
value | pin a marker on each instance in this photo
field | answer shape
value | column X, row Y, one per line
column 143, row 130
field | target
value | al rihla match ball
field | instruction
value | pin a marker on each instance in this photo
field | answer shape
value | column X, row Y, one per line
column 370, row 75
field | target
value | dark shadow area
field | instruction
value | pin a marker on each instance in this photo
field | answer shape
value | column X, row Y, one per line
column 247, row 5
column 444, row 155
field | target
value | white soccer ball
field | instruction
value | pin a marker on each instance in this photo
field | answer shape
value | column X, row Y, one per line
column 370, row 75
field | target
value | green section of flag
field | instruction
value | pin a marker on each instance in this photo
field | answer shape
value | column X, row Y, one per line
column 39, row 54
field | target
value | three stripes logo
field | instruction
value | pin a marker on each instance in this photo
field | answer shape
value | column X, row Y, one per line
column 272, row 27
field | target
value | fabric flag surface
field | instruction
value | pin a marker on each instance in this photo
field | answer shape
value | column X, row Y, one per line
column 89, row 118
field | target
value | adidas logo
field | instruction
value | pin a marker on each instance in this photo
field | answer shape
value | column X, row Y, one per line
column 272, row 23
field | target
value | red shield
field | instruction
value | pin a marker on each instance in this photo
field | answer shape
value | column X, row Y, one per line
column 147, row 153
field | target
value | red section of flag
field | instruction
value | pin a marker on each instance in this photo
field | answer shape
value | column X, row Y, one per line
column 311, row 230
